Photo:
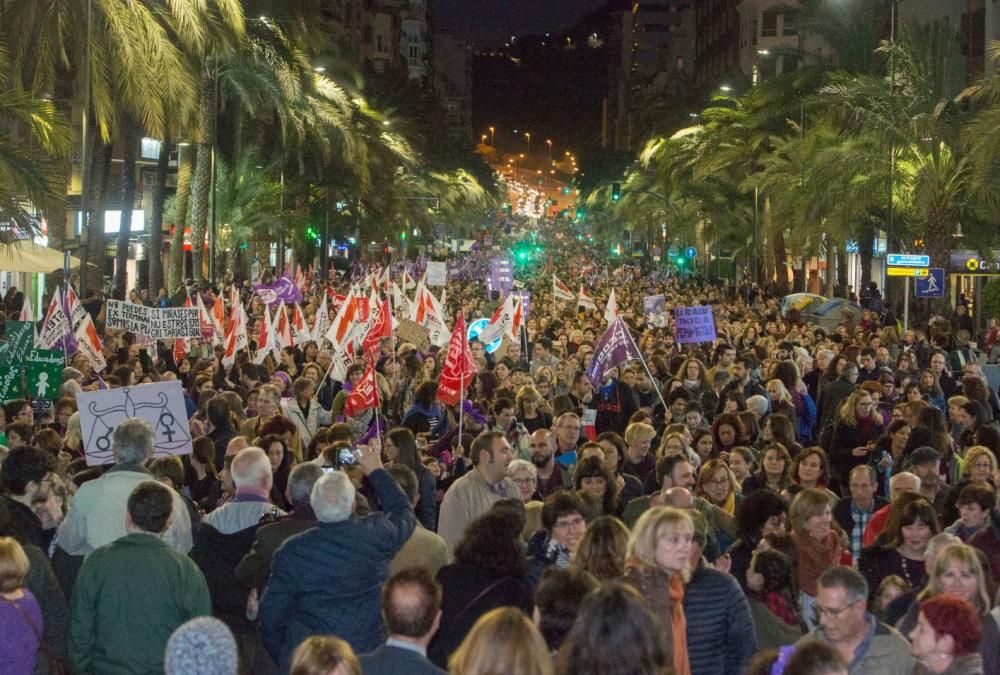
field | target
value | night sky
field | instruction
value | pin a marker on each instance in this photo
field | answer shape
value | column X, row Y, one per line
column 492, row 22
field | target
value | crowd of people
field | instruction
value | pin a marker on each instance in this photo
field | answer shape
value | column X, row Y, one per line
column 783, row 499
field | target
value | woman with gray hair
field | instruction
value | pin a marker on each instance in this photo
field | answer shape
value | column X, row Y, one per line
column 525, row 477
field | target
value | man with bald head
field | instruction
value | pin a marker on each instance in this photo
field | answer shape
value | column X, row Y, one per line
column 899, row 484
column 226, row 536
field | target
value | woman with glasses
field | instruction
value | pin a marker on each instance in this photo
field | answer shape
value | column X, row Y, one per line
column 524, row 474
column 717, row 484
column 958, row 573
column 978, row 466
column 856, row 429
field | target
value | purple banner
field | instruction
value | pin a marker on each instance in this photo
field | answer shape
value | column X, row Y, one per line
column 282, row 290
column 616, row 347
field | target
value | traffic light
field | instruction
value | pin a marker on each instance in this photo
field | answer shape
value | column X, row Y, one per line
column 402, row 235
column 312, row 234
column 579, row 212
column 616, row 192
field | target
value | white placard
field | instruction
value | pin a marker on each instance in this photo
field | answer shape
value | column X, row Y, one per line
column 161, row 404
column 437, row 274
column 160, row 324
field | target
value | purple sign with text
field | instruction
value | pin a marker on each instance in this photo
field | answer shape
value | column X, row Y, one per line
column 694, row 324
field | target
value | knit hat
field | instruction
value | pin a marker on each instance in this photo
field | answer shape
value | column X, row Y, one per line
column 923, row 455
column 202, row 646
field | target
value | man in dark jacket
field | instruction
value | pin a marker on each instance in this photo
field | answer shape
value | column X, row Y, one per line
column 26, row 480
column 225, row 538
column 326, row 581
column 833, row 394
column 411, row 605
column 563, row 525
column 134, row 592
column 223, row 429
column 720, row 633
column 256, row 564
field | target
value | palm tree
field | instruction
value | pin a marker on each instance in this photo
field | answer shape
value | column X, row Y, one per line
column 154, row 277
column 123, row 58
column 31, row 179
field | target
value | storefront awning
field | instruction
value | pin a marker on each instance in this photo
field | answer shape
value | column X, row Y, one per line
column 26, row 256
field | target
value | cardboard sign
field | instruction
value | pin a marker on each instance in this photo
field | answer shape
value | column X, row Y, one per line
column 19, row 337
column 161, row 404
column 10, row 383
column 437, row 274
column 160, row 324
column 43, row 373
column 694, row 324
column 414, row 333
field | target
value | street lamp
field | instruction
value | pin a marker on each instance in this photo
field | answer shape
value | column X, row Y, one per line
column 527, row 135
column 492, row 134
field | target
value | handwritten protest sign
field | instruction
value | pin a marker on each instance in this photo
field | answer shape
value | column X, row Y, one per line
column 161, row 404
column 43, row 373
column 19, row 336
column 157, row 323
column 694, row 324
column 10, row 383
column 414, row 333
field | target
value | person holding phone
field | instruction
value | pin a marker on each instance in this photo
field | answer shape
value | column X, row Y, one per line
column 856, row 429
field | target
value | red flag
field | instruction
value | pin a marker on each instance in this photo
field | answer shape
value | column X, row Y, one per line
column 364, row 395
column 380, row 328
column 458, row 366
column 180, row 350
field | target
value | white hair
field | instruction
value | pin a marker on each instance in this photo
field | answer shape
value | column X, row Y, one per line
column 332, row 498
column 903, row 474
column 521, row 465
column 251, row 468
column 758, row 405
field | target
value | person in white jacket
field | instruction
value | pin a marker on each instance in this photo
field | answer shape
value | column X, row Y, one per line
column 97, row 514
column 304, row 410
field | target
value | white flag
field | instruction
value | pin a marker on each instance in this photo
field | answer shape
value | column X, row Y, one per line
column 611, row 310
column 585, row 300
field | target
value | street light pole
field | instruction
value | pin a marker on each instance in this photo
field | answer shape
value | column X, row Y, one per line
column 492, row 134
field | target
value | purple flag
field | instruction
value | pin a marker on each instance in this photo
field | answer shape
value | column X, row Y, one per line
column 616, row 346
column 282, row 290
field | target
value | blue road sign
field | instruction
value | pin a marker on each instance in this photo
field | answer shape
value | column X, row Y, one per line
column 931, row 286
column 908, row 260
column 691, row 252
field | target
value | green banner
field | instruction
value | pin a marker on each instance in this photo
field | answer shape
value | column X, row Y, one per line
column 10, row 383
column 43, row 373
column 19, row 337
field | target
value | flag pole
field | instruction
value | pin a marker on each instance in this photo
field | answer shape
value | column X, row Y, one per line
column 642, row 360
column 461, row 403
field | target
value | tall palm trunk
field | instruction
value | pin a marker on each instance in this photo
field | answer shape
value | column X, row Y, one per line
column 128, row 184
column 831, row 267
column 154, row 278
column 866, row 244
column 202, row 173
column 937, row 243
column 95, row 259
column 185, row 166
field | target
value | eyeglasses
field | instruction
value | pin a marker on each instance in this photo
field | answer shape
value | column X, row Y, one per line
column 819, row 611
column 568, row 523
column 718, row 481
column 523, row 481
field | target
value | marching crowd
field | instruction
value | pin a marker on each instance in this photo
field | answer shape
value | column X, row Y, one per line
column 783, row 499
